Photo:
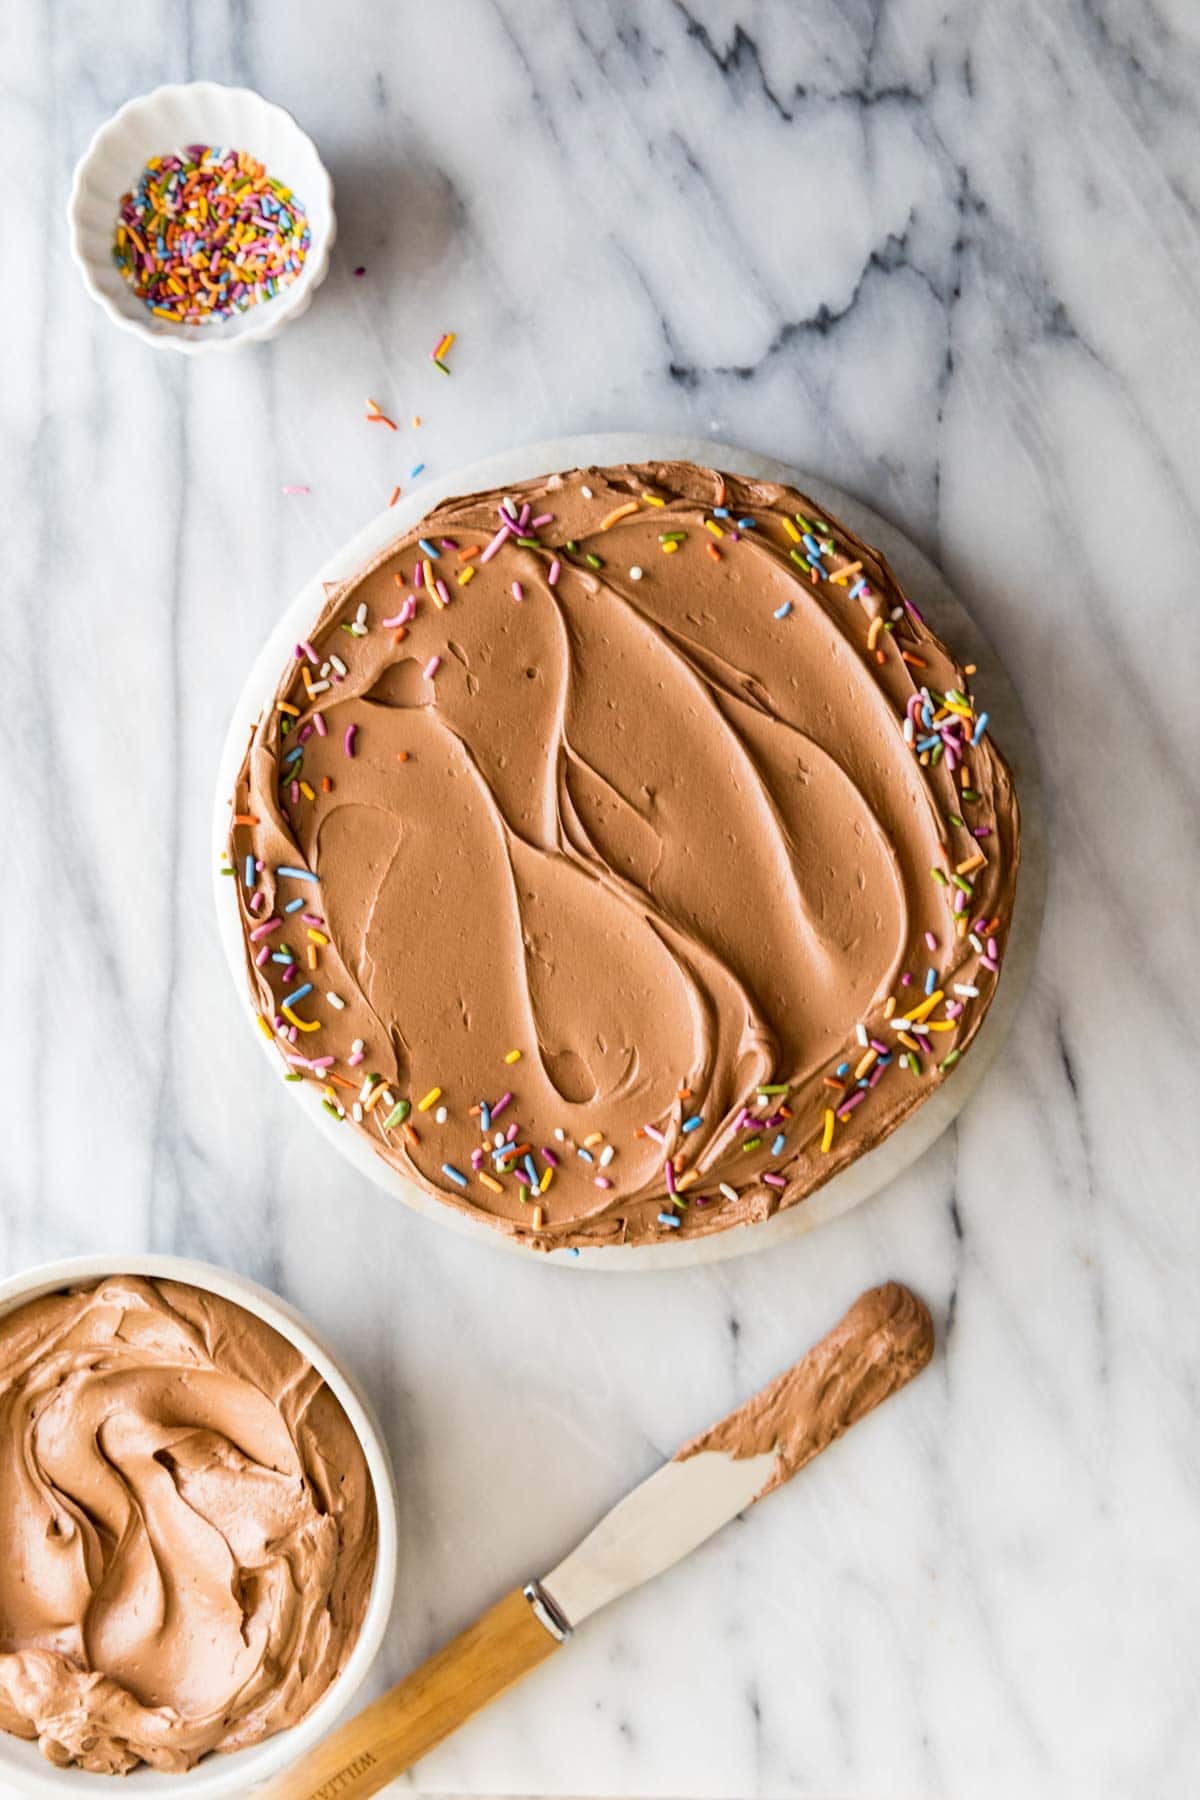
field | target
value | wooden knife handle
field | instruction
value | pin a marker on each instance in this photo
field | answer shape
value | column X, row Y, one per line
column 392, row 1733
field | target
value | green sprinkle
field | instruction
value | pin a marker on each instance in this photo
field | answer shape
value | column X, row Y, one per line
column 397, row 1115
column 938, row 877
column 330, row 1108
column 530, row 543
column 571, row 545
column 798, row 556
column 970, row 794
column 292, row 1076
column 593, row 561
column 960, row 881
column 439, row 364
column 751, row 1143
column 671, row 537
column 948, row 1062
column 914, row 1062
column 226, row 870
column 523, row 1194
column 955, row 820
column 776, row 1087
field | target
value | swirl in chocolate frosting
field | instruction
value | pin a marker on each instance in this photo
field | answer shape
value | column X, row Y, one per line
column 675, row 795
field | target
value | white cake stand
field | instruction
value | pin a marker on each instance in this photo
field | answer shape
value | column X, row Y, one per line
column 948, row 618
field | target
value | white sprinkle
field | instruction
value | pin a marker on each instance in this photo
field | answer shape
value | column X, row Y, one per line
column 606, row 1155
column 336, row 1002
column 860, row 1031
column 897, row 612
column 909, row 731
column 364, row 1092
column 335, row 662
column 974, row 942
column 324, row 670
column 356, row 1046
column 729, row 1192
column 441, row 1115
column 560, row 1134
column 499, row 1140
column 360, row 617
column 635, row 574
column 586, row 492
column 319, row 687
column 358, row 1113
column 966, row 990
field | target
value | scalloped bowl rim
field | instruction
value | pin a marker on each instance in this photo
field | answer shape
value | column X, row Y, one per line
column 203, row 340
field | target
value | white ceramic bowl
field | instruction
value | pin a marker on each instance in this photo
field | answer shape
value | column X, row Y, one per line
column 23, row 1768
column 915, row 1134
column 196, row 112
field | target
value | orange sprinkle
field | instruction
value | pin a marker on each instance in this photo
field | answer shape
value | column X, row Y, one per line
column 831, row 1081
column 398, row 578
column 880, row 657
column 410, row 1134
column 312, row 956
column 378, row 418
column 285, row 706
column 246, row 819
column 402, row 756
column 467, row 552
column 340, row 1079
column 684, row 1094
column 400, row 633
column 918, row 662
column 620, row 512
column 713, row 552
column 395, row 496
column 873, row 633
column 972, row 862
column 720, row 490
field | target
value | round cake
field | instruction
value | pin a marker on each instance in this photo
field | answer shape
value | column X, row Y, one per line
column 623, row 854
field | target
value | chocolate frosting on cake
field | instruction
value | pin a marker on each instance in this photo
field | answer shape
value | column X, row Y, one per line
column 642, row 795
column 188, row 1522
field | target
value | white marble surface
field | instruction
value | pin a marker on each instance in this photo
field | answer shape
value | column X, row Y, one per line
column 948, row 255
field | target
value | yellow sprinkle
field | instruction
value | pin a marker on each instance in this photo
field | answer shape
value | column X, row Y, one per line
column 961, row 926
column 264, row 1027
column 375, row 1096
column 973, row 862
column 889, row 1006
column 312, row 956
column 468, row 574
column 686, row 1179
column 968, row 668
column 827, row 1134
column 286, row 707
column 923, row 759
column 792, row 532
column 940, row 1025
column 431, row 1099
column 593, row 1137
column 621, row 512
column 317, row 937
column 711, row 525
column 429, row 587
column 843, row 574
column 670, row 549
column 307, row 791
column 538, row 1216
column 865, row 1064
column 873, row 633
column 300, row 1024
column 926, row 1007
column 416, row 421
column 512, row 1056
column 489, row 1181
column 547, row 1178
column 654, row 500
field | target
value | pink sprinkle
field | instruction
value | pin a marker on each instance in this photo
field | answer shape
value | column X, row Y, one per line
column 982, row 831
column 602, row 1181
column 669, row 1172
column 353, row 1060
column 879, row 1049
column 906, row 979
column 511, row 1133
column 312, row 918
column 295, row 790
column 291, row 1034
column 993, row 947
column 505, row 531
column 256, row 900
column 542, row 519
column 523, row 521
column 319, row 722
column 431, row 667
column 311, row 654
column 960, row 901
column 549, row 1157
column 262, row 956
column 518, row 592
column 554, row 572
column 359, row 272
column 443, row 592
column 652, row 1131
column 856, row 1099
column 877, row 1074
column 289, row 974
column 348, row 740
column 396, row 619
column 775, row 1181
column 953, row 1008
column 477, row 1159
column 987, row 962
column 931, row 940
column 502, row 1102
column 305, row 732
column 294, row 487
column 261, row 931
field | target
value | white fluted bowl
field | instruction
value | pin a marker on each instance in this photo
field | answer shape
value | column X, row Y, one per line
column 195, row 112
column 233, row 1775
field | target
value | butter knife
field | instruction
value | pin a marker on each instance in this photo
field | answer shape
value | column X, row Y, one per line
column 882, row 1342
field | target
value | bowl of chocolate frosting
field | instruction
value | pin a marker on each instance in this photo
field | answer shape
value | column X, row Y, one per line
column 199, row 1520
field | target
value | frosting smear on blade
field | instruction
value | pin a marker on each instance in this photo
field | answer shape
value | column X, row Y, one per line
column 189, row 1527
column 623, row 854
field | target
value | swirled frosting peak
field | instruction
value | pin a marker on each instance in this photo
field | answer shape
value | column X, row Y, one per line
column 188, row 1523
column 623, row 855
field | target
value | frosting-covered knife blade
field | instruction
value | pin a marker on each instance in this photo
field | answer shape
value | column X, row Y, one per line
column 882, row 1342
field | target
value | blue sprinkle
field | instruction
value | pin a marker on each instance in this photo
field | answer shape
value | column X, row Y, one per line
column 747, row 524
column 249, row 869
column 860, row 587
column 930, row 981
column 811, row 545
column 283, row 956
column 294, row 905
column 819, row 566
column 694, row 1123
column 295, row 874
column 842, row 1069
column 781, row 612
column 531, row 1171
column 777, row 1146
column 428, row 548
column 485, row 1116
column 413, row 473
column 454, row 1174
column 981, row 725
column 670, row 1219
column 864, row 1082
column 574, row 1251
column 297, row 750
column 927, row 743
column 720, row 512
column 299, row 994
column 586, row 1154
